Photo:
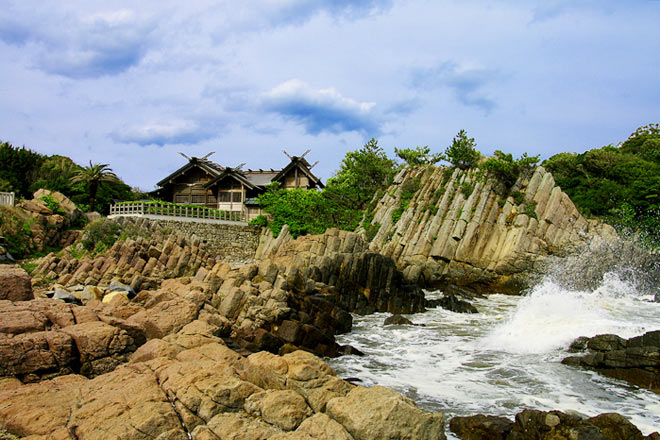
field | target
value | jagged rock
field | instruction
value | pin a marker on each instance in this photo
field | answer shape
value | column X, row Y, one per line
column 64, row 295
column 480, row 427
column 451, row 303
column 116, row 296
column 116, row 286
column 479, row 239
column 101, row 347
column 379, row 413
column 397, row 320
column 14, row 283
column 37, row 206
column 541, row 425
column 285, row 409
column 580, row 344
column 91, row 293
column 636, row 360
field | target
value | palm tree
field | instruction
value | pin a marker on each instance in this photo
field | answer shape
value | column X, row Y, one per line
column 94, row 176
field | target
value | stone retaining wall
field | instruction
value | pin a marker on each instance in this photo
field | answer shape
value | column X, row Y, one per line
column 232, row 243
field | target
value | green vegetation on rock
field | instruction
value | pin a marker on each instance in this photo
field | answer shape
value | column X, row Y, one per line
column 506, row 169
column 462, row 152
column 418, row 156
column 618, row 183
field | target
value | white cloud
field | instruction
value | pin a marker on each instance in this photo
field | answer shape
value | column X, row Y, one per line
column 320, row 110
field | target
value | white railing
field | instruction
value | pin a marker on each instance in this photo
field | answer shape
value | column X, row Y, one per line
column 141, row 209
column 7, row 199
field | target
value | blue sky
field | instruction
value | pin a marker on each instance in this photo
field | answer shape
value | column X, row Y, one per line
column 131, row 86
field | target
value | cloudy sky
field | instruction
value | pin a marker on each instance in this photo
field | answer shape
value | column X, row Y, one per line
column 131, row 86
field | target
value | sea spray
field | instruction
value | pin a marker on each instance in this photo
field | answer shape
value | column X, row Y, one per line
column 586, row 268
column 550, row 317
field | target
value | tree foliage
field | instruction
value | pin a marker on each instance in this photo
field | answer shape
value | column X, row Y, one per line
column 506, row 169
column 418, row 156
column 94, row 176
column 620, row 183
column 24, row 171
column 462, row 152
column 18, row 168
column 340, row 204
column 365, row 171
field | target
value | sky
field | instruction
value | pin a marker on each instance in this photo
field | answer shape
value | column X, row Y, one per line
column 132, row 84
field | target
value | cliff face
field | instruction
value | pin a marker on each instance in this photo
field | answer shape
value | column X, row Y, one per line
column 445, row 226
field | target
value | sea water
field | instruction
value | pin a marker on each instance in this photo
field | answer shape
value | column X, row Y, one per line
column 506, row 358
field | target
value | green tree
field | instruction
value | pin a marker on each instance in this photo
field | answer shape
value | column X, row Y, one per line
column 507, row 170
column 301, row 209
column 620, row 184
column 418, row 156
column 361, row 174
column 18, row 168
column 462, row 152
column 94, row 176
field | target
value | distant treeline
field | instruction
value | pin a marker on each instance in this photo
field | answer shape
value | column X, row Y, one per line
column 24, row 171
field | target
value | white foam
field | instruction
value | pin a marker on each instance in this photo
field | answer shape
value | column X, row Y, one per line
column 550, row 317
column 506, row 358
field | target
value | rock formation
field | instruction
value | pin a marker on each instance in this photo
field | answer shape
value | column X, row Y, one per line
column 190, row 385
column 542, row 425
column 461, row 227
column 14, row 283
column 635, row 360
column 154, row 253
column 44, row 227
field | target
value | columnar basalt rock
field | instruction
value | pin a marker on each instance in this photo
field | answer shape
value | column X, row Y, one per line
column 635, row 360
column 154, row 251
column 458, row 229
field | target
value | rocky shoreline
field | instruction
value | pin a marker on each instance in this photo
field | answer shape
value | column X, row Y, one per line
column 158, row 338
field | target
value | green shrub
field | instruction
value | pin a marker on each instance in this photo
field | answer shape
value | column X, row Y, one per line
column 260, row 220
column 100, row 234
column 506, row 169
column 53, row 204
column 518, row 197
column 396, row 214
column 467, row 188
column 530, row 210
column 371, row 231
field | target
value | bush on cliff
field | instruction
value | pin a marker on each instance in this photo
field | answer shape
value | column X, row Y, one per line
column 462, row 152
column 506, row 169
column 100, row 235
column 618, row 183
column 16, row 227
column 418, row 156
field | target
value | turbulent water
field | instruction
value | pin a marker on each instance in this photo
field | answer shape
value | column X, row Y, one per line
column 507, row 357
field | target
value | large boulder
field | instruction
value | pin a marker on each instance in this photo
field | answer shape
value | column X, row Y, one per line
column 379, row 413
column 14, row 283
column 481, row 427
